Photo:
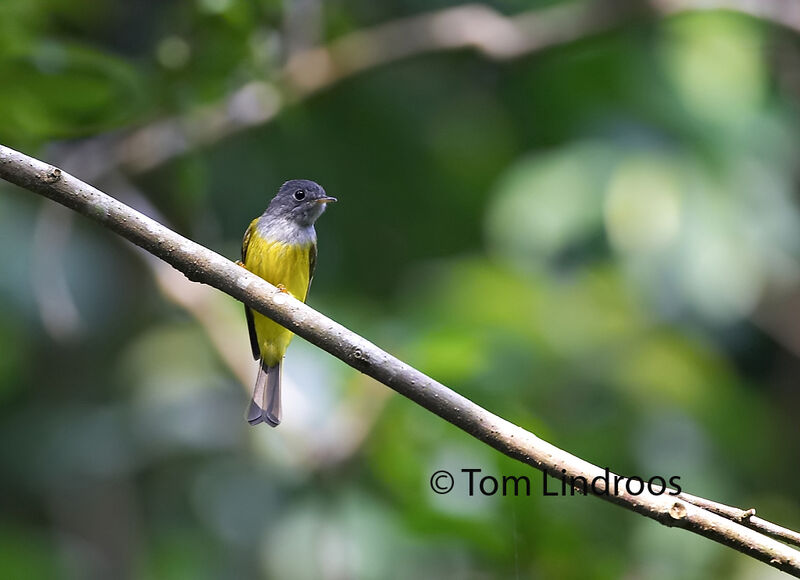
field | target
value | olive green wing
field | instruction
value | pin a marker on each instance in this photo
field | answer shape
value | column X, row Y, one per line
column 312, row 265
column 248, row 314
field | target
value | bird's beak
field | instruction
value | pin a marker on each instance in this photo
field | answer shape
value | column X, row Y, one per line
column 327, row 199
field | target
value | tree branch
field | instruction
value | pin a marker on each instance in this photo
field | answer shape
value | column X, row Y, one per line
column 746, row 517
column 200, row 264
column 784, row 13
column 470, row 26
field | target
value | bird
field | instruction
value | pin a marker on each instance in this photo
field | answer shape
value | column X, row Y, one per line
column 280, row 246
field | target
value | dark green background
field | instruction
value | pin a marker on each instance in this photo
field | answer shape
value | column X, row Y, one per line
column 597, row 241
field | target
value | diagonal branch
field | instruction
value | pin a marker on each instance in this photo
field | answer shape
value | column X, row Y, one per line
column 746, row 517
column 200, row 264
column 470, row 26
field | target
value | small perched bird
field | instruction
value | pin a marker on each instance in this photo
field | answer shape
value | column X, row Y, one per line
column 281, row 247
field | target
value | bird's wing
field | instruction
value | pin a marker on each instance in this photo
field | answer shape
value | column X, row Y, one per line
column 312, row 264
column 251, row 327
column 247, row 235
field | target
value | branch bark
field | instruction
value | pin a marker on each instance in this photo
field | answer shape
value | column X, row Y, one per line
column 746, row 517
column 200, row 264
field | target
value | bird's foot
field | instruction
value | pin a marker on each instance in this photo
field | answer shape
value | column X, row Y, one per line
column 282, row 288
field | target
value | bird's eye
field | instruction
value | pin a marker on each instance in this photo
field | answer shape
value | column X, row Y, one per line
column 299, row 195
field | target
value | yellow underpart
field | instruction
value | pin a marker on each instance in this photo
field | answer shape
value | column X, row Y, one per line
column 277, row 263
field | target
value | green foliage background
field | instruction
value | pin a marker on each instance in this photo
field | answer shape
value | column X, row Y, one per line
column 599, row 242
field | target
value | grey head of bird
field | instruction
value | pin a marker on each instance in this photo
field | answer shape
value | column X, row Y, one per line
column 299, row 200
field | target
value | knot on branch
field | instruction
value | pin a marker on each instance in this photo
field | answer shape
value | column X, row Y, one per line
column 52, row 175
column 360, row 356
column 745, row 517
column 677, row 511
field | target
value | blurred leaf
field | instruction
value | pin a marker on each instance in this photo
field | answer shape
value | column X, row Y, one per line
column 26, row 554
column 66, row 90
column 545, row 204
column 695, row 45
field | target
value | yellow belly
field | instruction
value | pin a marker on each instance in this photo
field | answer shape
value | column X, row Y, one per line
column 277, row 263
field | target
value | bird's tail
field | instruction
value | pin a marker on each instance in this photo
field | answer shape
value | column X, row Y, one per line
column 266, row 404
